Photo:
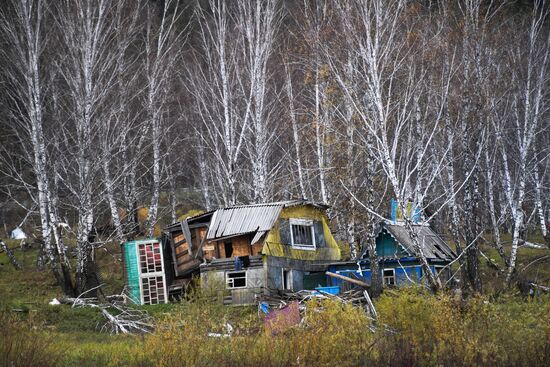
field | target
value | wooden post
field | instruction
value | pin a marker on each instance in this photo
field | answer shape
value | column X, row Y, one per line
column 347, row 279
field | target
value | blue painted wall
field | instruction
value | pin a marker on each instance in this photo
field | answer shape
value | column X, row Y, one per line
column 409, row 268
column 386, row 246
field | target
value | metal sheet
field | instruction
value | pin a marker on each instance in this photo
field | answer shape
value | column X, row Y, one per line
column 257, row 236
column 244, row 219
column 432, row 245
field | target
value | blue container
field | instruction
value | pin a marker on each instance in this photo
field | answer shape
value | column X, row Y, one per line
column 330, row 290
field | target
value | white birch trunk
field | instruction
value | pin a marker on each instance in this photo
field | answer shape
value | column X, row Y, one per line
column 538, row 203
column 295, row 134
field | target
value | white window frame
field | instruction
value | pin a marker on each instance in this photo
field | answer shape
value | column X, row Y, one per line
column 302, row 222
column 290, row 279
column 392, row 276
column 229, row 280
column 148, row 275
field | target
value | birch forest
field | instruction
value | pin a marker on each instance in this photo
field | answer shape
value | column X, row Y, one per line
column 118, row 117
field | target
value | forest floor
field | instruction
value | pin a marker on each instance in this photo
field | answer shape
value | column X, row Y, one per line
column 70, row 336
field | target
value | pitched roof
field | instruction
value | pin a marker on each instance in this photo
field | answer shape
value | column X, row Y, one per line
column 242, row 219
column 433, row 246
column 255, row 218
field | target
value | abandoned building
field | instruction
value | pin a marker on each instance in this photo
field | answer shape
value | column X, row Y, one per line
column 253, row 249
column 266, row 249
column 399, row 261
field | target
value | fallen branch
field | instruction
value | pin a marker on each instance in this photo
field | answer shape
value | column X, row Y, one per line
column 524, row 243
column 77, row 299
column 124, row 320
column 541, row 287
column 371, row 305
column 10, row 254
column 493, row 264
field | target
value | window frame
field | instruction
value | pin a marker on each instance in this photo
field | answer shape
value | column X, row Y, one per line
column 302, row 222
column 228, row 279
column 385, row 277
column 151, row 278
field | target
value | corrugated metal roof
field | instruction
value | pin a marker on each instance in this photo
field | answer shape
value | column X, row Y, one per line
column 432, row 245
column 243, row 219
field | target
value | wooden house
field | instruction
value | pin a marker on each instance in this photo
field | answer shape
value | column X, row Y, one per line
column 254, row 249
column 399, row 261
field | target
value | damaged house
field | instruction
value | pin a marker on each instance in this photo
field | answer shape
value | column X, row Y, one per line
column 253, row 249
column 399, row 261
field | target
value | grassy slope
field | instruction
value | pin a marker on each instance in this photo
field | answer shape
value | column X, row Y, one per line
column 26, row 293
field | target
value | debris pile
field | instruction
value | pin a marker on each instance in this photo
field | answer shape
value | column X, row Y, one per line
column 357, row 296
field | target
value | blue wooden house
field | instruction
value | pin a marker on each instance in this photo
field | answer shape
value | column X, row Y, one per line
column 398, row 260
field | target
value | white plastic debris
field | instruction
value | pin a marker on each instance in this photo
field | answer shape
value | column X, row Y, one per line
column 54, row 302
column 18, row 234
column 228, row 332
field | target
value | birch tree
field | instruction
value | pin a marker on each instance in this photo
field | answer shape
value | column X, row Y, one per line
column 116, row 137
column 258, row 22
column 88, row 72
column 530, row 74
column 214, row 87
column 163, row 39
column 296, row 137
column 22, row 23
column 385, row 103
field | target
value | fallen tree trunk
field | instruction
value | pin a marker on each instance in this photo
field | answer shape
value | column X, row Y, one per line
column 10, row 254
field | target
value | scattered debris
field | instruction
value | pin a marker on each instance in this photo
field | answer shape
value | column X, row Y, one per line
column 54, row 302
column 278, row 321
column 18, row 234
column 227, row 334
column 370, row 305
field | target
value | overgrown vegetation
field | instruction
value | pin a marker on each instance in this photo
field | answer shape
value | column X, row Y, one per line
column 414, row 328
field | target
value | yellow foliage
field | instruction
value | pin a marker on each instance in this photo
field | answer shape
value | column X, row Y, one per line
column 142, row 214
column 190, row 213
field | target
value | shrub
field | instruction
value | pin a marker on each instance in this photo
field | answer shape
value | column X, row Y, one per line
column 437, row 330
column 22, row 345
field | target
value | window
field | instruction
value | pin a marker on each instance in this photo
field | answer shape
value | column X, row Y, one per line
column 302, row 234
column 236, row 279
column 287, row 279
column 151, row 272
column 389, row 276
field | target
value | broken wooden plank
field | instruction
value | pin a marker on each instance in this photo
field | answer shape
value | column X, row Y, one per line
column 347, row 279
column 369, row 302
